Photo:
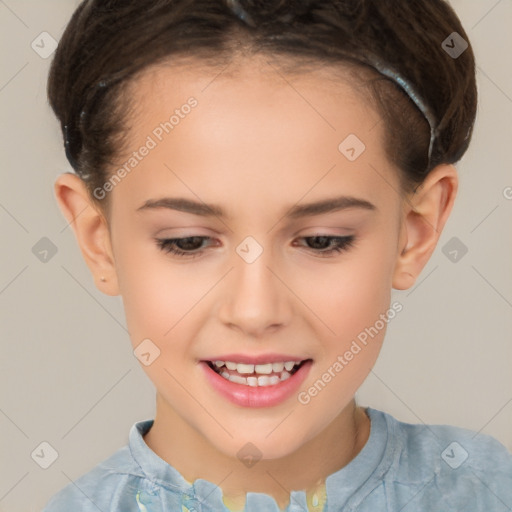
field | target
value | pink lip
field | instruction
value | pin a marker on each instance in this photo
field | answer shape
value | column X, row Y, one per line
column 264, row 396
column 257, row 359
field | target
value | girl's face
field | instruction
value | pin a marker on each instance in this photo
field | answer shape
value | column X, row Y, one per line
column 260, row 281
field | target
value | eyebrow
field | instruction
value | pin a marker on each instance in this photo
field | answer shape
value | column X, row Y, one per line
column 297, row 211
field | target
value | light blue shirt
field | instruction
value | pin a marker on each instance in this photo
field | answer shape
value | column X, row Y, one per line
column 402, row 467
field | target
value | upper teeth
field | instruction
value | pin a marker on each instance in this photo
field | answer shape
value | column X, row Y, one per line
column 266, row 368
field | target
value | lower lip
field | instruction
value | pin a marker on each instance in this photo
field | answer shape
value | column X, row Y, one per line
column 257, row 396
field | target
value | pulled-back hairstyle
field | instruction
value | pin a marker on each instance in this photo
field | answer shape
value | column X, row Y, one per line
column 107, row 43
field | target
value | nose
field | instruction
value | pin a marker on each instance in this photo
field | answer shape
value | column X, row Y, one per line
column 255, row 300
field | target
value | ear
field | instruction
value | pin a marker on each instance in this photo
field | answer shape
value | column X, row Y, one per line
column 424, row 217
column 90, row 228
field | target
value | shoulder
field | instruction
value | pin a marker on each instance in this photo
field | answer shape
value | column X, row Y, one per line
column 102, row 488
column 451, row 465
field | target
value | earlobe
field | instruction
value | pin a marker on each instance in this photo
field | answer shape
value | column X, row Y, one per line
column 424, row 217
column 91, row 230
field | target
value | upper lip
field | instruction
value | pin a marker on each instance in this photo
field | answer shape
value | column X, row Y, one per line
column 256, row 359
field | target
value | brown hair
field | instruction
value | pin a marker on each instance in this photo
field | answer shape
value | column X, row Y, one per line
column 109, row 42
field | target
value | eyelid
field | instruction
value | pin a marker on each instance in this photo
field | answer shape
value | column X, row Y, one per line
column 338, row 244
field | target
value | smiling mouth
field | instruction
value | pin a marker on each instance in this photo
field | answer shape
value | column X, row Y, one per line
column 259, row 375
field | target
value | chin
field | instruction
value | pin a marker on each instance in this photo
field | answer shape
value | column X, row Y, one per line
column 252, row 448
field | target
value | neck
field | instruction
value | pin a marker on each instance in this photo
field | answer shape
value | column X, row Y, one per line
column 305, row 469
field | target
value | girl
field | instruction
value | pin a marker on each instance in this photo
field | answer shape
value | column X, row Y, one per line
column 254, row 178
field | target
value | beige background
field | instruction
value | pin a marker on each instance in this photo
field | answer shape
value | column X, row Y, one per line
column 67, row 373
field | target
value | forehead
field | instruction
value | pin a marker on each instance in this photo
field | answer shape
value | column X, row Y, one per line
column 255, row 131
column 297, row 83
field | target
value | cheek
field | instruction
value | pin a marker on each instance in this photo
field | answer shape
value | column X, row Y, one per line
column 343, row 298
column 353, row 304
column 156, row 293
column 351, row 295
column 352, row 301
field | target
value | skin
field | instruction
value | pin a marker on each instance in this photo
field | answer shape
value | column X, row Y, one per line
column 256, row 147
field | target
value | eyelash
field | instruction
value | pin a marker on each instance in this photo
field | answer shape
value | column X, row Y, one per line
column 168, row 245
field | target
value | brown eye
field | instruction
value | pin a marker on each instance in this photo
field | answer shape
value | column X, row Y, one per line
column 185, row 247
column 327, row 245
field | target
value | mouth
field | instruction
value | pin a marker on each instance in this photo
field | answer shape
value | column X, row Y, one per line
column 258, row 383
column 256, row 375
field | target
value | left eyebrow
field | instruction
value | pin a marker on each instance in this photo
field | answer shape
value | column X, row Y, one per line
column 297, row 211
column 329, row 205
